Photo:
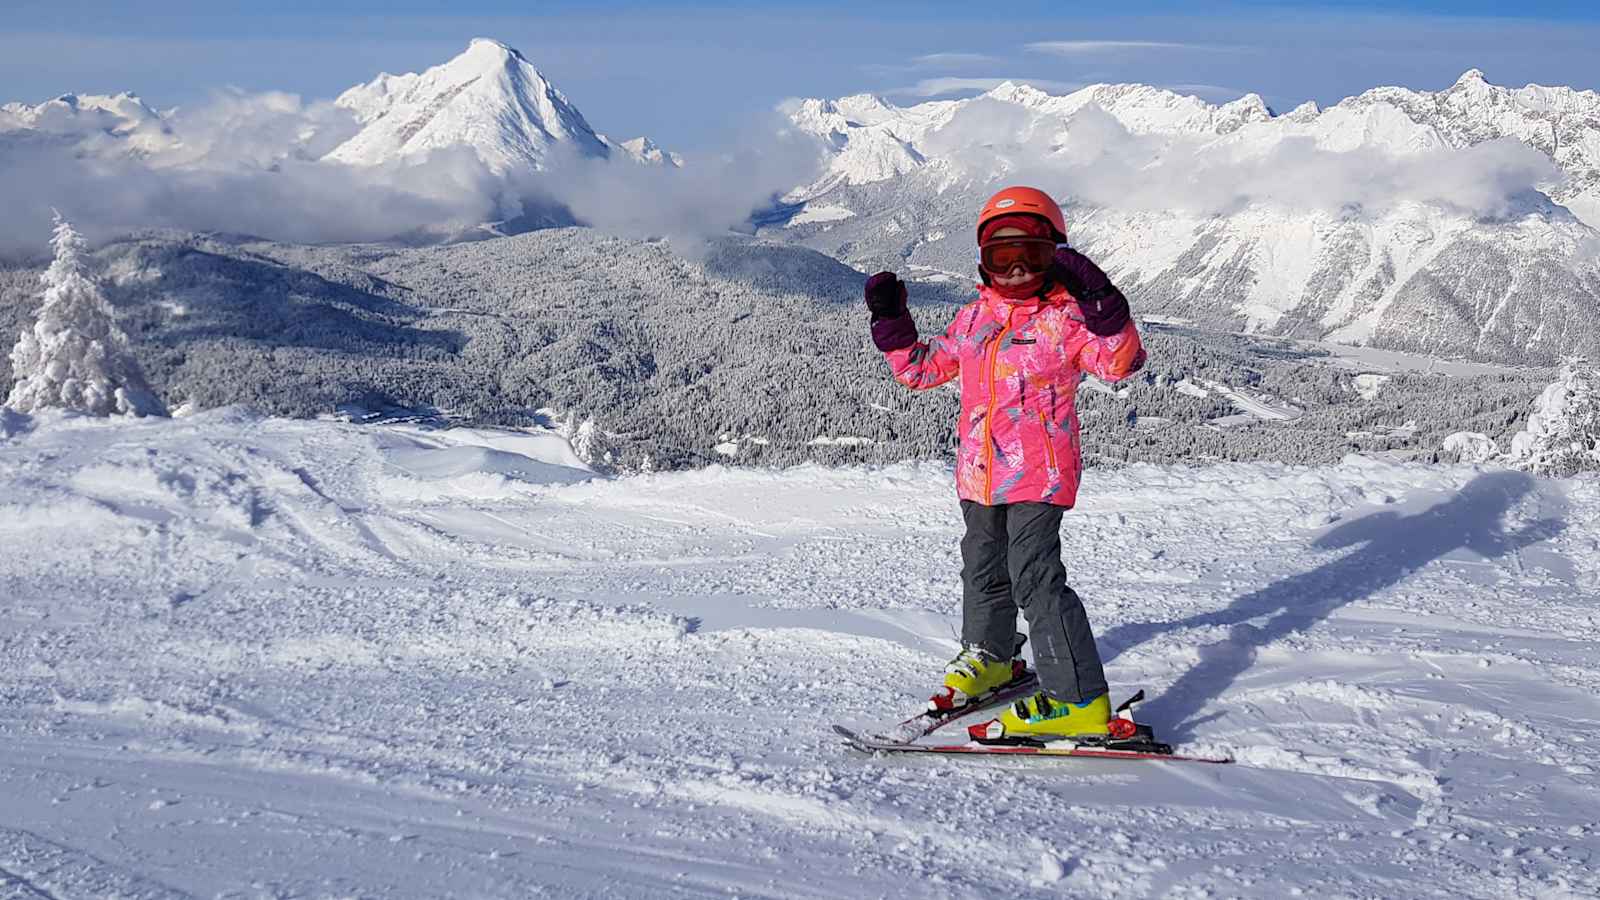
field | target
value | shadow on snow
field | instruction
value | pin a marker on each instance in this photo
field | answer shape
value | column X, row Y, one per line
column 1390, row 546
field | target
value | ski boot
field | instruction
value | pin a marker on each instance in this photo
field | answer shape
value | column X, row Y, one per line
column 1041, row 720
column 974, row 676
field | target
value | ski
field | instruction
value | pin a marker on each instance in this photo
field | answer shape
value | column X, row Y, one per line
column 1110, row 750
column 925, row 723
column 1125, row 738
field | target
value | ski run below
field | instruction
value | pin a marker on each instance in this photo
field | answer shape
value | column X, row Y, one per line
column 251, row 657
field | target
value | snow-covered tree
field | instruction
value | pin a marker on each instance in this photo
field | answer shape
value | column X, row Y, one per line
column 75, row 357
column 594, row 447
column 1562, row 436
column 569, row 426
column 589, row 442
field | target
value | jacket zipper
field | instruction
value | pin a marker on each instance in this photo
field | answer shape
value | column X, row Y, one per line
column 988, row 421
column 1049, row 447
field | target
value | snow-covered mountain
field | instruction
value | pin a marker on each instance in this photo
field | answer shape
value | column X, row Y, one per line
column 1558, row 121
column 1450, row 222
column 121, row 120
column 875, row 141
column 644, row 150
column 489, row 98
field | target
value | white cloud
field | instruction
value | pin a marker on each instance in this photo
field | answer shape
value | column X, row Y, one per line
column 934, row 87
column 707, row 197
column 955, row 60
column 241, row 163
column 237, row 128
column 935, row 60
column 251, row 164
column 1092, row 158
column 1087, row 48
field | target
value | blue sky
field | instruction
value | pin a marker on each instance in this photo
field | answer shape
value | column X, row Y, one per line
column 693, row 75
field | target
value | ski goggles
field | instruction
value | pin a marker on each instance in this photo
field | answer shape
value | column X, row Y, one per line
column 1034, row 255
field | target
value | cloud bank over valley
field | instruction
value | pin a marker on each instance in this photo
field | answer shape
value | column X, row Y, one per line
column 259, row 164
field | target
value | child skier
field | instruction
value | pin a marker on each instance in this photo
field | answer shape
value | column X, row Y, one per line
column 1044, row 314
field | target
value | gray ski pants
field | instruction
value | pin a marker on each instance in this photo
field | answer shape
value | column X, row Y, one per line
column 1011, row 559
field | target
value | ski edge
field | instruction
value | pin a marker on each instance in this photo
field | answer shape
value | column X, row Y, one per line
column 867, row 745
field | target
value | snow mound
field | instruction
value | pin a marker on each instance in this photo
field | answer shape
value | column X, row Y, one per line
column 453, row 462
column 1471, row 447
column 482, row 463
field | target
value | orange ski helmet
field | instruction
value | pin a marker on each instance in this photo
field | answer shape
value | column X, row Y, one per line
column 1024, row 200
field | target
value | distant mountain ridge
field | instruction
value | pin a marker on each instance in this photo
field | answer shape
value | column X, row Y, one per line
column 874, row 140
column 1516, row 279
column 123, row 118
column 489, row 99
column 864, row 130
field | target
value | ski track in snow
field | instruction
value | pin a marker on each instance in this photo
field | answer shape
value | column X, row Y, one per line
column 247, row 656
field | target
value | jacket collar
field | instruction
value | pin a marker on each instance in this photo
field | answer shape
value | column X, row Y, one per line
column 1052, row 295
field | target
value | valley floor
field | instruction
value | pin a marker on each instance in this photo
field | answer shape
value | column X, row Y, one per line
column 255, row 657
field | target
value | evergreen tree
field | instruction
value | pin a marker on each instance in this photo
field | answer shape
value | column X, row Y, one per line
column 1562, row 436
column 75, row 356
column 589, row 442
column 593, row 446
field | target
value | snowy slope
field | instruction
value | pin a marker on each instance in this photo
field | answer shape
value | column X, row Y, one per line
column 243, row 655
column 489, row 99
column 1458, row 222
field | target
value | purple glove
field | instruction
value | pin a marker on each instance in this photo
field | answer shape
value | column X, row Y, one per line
column 892, row 325
column 1105, row 310
column 886, row 296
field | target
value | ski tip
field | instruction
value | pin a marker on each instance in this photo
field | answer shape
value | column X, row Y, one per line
column 854, row 738
column 855, row 741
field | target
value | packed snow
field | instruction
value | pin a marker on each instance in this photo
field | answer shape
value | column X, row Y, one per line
column 249, row 656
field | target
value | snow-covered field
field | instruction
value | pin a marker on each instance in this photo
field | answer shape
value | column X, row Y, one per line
column 254, row 657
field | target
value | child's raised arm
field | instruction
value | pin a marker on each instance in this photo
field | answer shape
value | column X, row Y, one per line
column 918, row 365
column 1111, row 350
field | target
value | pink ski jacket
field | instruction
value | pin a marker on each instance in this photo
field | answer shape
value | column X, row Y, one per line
column 1020, row 362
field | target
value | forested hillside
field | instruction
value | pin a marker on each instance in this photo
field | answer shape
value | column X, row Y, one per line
column 755, row 353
